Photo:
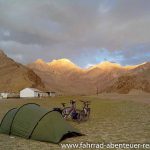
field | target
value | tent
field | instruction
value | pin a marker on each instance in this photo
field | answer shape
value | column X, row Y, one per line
column 31, row 121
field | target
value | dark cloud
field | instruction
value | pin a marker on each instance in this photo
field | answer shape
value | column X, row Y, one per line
column 84, row 31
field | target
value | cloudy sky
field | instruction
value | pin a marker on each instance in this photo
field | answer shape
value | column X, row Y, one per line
column 84, row 31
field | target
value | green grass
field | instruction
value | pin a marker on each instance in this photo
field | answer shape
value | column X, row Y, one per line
column 111, row 121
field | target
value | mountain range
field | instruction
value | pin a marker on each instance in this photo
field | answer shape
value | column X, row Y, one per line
column 65, row 77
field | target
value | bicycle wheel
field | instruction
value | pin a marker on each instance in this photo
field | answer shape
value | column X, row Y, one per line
column 87, row 114
column 66, row 112
column 80, row 116
column 84, row 114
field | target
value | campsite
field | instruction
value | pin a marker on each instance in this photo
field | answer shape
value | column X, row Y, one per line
column 74, row 74
column 119, row 119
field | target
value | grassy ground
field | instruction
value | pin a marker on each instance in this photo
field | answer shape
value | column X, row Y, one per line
column 116, row 121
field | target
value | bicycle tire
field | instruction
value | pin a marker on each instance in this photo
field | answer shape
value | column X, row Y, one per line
column 81, row 116
column 88, row 113
column 66, row 113
column 85, row 116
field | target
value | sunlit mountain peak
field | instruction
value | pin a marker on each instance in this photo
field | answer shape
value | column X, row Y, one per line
column 62, row 63
column 134, row 66
column 106, row 65
column 40, row 61
column 63, row 60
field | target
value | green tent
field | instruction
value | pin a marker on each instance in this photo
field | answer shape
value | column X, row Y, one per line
column 31, row 121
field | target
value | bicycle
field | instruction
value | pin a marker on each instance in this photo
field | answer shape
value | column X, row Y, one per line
column 70, row 112
column 73, row 113
column 85, row 112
